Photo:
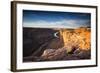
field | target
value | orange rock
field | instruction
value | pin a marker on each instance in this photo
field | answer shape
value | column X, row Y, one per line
column 80, row 37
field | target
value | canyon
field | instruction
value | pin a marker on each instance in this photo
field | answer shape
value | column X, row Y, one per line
column 51, row 44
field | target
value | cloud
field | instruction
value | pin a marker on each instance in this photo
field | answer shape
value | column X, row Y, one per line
column 65, row 23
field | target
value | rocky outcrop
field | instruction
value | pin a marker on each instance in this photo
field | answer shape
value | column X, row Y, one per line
column 34, row 38
column 70, row 44
column 54, row 54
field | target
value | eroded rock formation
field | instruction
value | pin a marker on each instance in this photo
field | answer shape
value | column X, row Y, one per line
column 70, row 44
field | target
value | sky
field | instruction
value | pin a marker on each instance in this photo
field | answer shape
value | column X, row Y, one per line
column 34, row 18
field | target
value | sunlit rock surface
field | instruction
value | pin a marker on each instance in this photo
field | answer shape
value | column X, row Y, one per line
column 67, row 44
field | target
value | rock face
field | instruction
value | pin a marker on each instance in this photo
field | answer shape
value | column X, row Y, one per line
column 61, row 54
column 80, row 37
column 34, row 38
column 54, row 54
column 40, row 44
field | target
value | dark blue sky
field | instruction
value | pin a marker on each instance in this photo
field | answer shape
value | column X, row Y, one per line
column 32, row 18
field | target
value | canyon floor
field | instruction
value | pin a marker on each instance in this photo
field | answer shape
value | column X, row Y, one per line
column 44, row 44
